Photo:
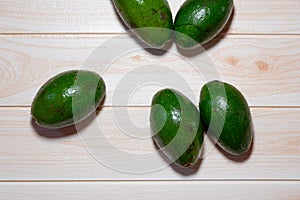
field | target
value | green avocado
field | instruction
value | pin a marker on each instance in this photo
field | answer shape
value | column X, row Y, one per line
column 150, row 20
column 176, row 127
column 67, row 98
column 226, row 116
column 198, row 21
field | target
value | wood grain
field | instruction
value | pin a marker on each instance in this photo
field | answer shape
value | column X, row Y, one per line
column 266, row 69
column 32, row 153
column 80, row 16
column 152, row 190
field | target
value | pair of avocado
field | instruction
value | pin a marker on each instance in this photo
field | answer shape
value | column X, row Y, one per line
column 178, row 125
column 196, row 22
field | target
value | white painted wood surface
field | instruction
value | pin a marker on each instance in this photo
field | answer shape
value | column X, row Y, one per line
column 32, row 153
column 98, row 16
column 258, row 52
column 266, row 69
column 151, row 190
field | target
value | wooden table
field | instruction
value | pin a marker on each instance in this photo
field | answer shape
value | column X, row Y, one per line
column 259, row 52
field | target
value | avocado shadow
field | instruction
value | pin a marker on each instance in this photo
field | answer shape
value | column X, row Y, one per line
column 228, row 24
column 66, row 131
column 185, row 171
column 211, row 43
column 188, row 171
column 242, row 157
column 148, row 48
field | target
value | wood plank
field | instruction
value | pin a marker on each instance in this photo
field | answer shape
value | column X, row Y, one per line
column 152, row 190
column 266, row 69
column 28, row 152
column 79, row 16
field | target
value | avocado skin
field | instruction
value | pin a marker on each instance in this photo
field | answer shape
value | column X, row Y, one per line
column 222, row 103
column 198, row 21
column 173, row 114
column 67, row 98
column 151, row 20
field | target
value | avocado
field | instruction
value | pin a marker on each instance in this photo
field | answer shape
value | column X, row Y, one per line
column 151, row 20
column 67, row 98
column 176, row 127
column 226, row 116
column 198, row 21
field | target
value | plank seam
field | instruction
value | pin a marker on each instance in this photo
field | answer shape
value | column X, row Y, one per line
column 144, row 106
column 221, row 35
column 164, row 180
